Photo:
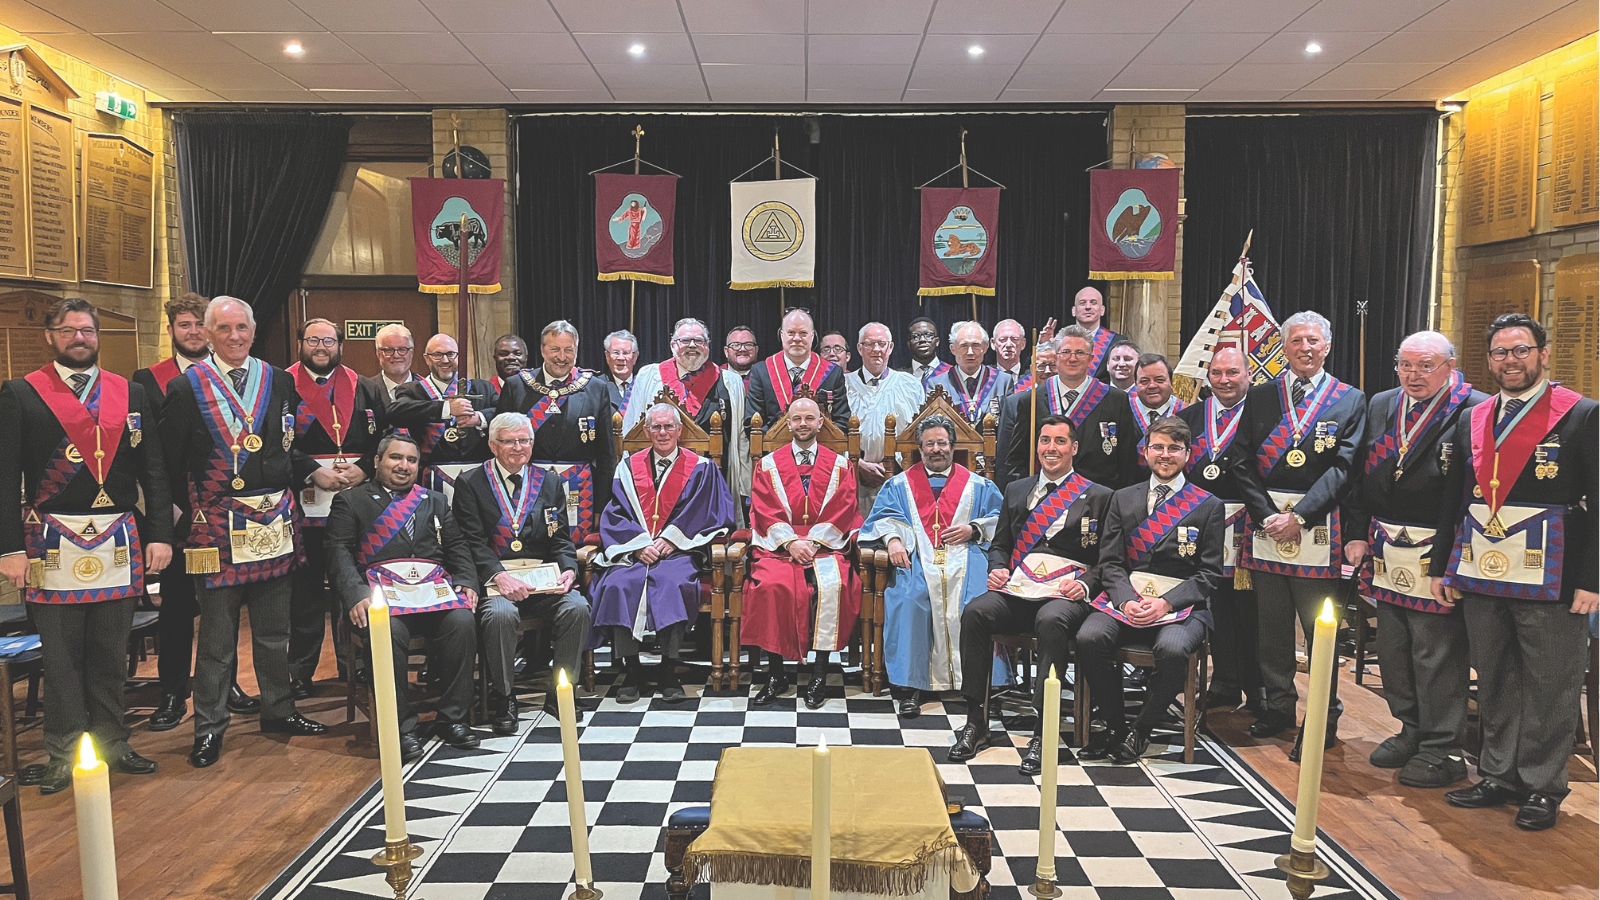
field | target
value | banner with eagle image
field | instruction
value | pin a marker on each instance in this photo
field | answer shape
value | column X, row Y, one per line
column 774, row 233
column 959, row 229
column 437, row 205
column 633, row 216
column 1133, row 223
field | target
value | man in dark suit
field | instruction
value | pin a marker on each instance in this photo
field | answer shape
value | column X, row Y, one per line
column 975, row 389
column 1041, row 575
column 1160, row 562
column 1305, row 428
column 513, row 514
column 772, row 383
column 1523, row 568
column 622, row 358
column 510, row 357
column 226, row 431
column 391, row 519
column 1101, row 417
column 1089, row 312
column 83, row 447
column 447, row 413
column 395, row 350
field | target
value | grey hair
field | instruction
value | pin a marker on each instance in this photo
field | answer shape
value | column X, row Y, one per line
column 1307, row 317
column 509, row 421
column 1074, row 331
column 691, row 320
column 936, row 421
column 218, row 302
column 559, row 326
column 861, row 336
column 394, row 328
column 956, row 329
column 677, row 417
column 1020, row 329
column 1430, row 340
column 623, row 333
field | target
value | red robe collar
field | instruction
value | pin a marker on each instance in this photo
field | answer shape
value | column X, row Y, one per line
column 806, row 504
column 1498, row 468
column 817, row 369
column 693, row 390
column 658, row 507
column 335, row 416
column 88, row 436
column 937, row 515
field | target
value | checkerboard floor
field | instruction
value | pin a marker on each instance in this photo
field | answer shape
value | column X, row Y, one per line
column 492, row 822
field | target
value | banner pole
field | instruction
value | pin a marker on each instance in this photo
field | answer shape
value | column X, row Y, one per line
column 973, row 296
column 463, row 295
column 777, row 174
column 633, row 283
column 1361, row 310
column 1033, row 410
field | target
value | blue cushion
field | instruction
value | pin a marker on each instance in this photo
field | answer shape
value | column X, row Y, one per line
column 691, row 817
column 967, row 820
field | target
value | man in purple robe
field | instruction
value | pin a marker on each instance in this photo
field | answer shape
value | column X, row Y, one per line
column 667, row 505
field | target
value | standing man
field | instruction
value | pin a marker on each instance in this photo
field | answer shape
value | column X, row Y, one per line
column 1089, row 310
column 1044, row 364
column 974, row 388
column 876, row 392
column 1122, row 364
column 570, row 412
column 1305, row 428
column 1214, row 424
column 77, row 451
column 622, row 354
column 447, row 414
column 1009, row 342
column 922, row 336
column 510, row 357
column 1523, row 569
column 802, row 594
column 741, row 352
column 336, row 429
column 936, row 520
column 834, row 349
column 395, row 350
column 1100, row 416
column 226, row 431
column 1152, row 398
column 775, row 383
column 1406, row 456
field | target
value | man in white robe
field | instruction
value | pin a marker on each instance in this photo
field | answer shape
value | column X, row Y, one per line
column 877, row 391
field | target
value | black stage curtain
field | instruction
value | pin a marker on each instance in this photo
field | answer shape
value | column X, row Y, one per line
column 255, row 188
column 1342, row 207
column 867, row 216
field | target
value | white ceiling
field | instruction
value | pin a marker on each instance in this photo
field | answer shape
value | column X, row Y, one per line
column 801, row 51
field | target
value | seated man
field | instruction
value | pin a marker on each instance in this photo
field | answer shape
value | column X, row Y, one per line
column 1041, row 576
column 667, row 505
column 1159, row 565
column 935, row 519
column 514, row 518
column 394, row 536
column 802, row 594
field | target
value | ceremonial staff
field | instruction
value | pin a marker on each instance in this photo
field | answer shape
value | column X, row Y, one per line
column 633, row 285
column 777, row 174
column 463, row 293
column 964, row 184
column 1033, row 398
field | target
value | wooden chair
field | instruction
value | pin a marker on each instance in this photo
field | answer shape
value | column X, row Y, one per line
column 1029, row 644
column 1366, row 616
column 1194, row 688
column 10, row 803
column 358, row 695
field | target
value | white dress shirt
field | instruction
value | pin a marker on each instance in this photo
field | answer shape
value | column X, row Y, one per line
column 1176, row 485
column 1037, row 495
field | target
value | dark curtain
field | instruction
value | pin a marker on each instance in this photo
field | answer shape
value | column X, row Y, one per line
column 1342, row 208
column 255, row 188
column 867, row 217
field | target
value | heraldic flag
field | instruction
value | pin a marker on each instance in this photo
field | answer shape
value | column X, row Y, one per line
column 633, row 217
column 437, row 205
column 1240, row 319
column 1133, row 223
column 959, row 234
column 774, row 233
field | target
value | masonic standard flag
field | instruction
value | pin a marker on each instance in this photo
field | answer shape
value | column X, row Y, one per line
column 633, row 217
column 774, row 233
column 1242, row 319
column 959, row 237
column 437, row 205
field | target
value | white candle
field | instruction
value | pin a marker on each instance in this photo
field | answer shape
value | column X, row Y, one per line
column 1050, row 756
column 387, row 718
column 1311, row 742
column 97, row 849
column 582, row 874
column 821, row 821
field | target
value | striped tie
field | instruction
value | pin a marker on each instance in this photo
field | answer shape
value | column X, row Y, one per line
column 1508, row 414
column 237, row 376
column 1301, row 385
column 1159, row 496
column 80, row 380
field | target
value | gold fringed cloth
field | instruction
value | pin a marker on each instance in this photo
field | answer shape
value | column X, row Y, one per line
column 891, row 830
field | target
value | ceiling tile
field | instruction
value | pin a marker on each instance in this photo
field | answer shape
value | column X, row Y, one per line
column 1331, row 16
column 356, row 77
column 257, row 15
column 1574, row 19
column 188, row 47
column 1186, row 49
column 25, row 18
column 253, row 96
column 953, row 94
column 659, row 49
column 367, row 96
column 221, row 79
column 371, row 15
column 192, row 96
column 881, row 78
column 647, row 76
column 876, row 17
column 511, row 49
column 1426, row 46
column 1309, row 96
column 1290, row 46
column 1268, row 77
column 851, row 49
column 662, row 95
column 419, row 78
column 1165, row 77
column 483, row 93
column 1484, row 15
column 1087, row 80
column 619, row 15
column 485, row 16
column 745, row 16
column 853, row 95
column 781, row 49
column 320, row 48
column 1225, row 95
column 1126, row 96
column 748, row 78
column 1021, row 95
column 599, row 96
column 410, row 47
column 1235, row 16
column 99, row 16
column 539, row 77
column 1080, row 49
column 1511, row 51
column 998, row 49
column 123, row 64
column 993, row 17
column 978, row 79
column 1371, row 76
column 1090, row 16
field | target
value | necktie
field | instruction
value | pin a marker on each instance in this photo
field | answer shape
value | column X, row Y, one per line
column 795, row 374
column 1159, row 496
column 80, row 380
column 804, row 458
column 237, row 376
column 873, row 381
column 1068, row 400
column 1508, row 412
column 516, row 486
column 322, row 380
column 1050, row 488
column 1301, row 385
column 972, row 386
column 661, row 469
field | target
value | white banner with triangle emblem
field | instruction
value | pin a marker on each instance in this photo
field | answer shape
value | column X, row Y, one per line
column 774, row 233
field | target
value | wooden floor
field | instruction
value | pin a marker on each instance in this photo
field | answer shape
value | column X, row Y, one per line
column 227, row 831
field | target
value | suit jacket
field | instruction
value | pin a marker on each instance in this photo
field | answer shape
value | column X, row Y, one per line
column 1015, row 443
column 1201, row 573
column 154, row 388
column 361, row 434
column 188, row 446
column 34, row 435
column 1068, row 542
column 1225, row 485
column 950, row 381
column 617, row 405
column 761, row 398
column 1323, row 479
column 414, row 410
column 1419, row 495
column 477, row 514
column 354, row 512
column 560, row 439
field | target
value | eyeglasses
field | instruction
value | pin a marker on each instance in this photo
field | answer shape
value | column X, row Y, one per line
column 741, row 346
column 69, row 332
column 1410, row 368
column 1074, row 354
column 394, row 351
column 936, row 445
column 877, row 345
column 1520, row 351
column 320, row 341
column 660, row 428
column 442, row 357
column 689, row 342
column 798, row 335
column 515, row 442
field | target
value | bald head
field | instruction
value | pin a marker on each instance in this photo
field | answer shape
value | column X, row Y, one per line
column 796, row 334
column 1228, row 375
column 442, row 357
column 805, row 420
column 1088, row 307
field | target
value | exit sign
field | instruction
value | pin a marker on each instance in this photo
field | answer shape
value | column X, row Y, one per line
column 366, row 329
column 115, row 104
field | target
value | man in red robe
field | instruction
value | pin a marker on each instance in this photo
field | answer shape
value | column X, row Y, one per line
column 802, row 593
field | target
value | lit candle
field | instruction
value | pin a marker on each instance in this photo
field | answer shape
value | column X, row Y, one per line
column 1311, row 743
column 387, row 718
column 821, row 821
column 582, row 874
column 1050, row 755
column 97, row 849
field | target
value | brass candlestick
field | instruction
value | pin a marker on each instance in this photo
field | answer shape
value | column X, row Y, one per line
column 587, row 892
column 396, row 856
column 1304, row 871
column 1044, row 889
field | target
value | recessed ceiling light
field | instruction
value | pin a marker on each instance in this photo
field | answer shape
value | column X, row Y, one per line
column 1313, row 48
column 294, row 48
column 975, row 51
column 636, row 51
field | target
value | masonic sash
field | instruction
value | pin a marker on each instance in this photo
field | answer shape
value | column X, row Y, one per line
column 577, row 479
column 415, row 586
column 1090, row 397
column 1407, row 427
column 1039, row 576
column 1142, row 540
column 163, row 372
column 655, row 506
column 1024, row 383
column 233, row 420
column 971, row 406
column 1102, row 343
column 436, row 431
column 394, row 517
column 1507, row 449
column 513, row 510
column 1292, row 427
column 816, row 370
column 693, row 390
column 96, row 438
column 1050, row 509
column 1396, row 570
column 1318, row 553
column 333, row 413
column 83, row 558
column 1212, row 443
column 936, row 513
column 806, row 496
column 935, row 373
column 555, row 398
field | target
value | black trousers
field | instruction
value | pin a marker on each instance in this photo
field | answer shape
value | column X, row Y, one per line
column 1098, row 641
column 85, row 664
column 175, row 628
column 1235, row 666
column 310, row 606
column 452, row 636
column 1054, row 622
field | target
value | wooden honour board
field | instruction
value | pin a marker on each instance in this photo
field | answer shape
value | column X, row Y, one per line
column 1493, row 291
column 119, row 192
column 53, row 214
column 22, row 339
column 13, row 188
column 1575, row 147
column 1500, row 164
column 1574, row 336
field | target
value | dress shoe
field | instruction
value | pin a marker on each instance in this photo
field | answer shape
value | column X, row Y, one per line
column 293, row 724
column 57, row 777
column 553, row 711
column 242, row 703
column 299, row 689
column 169, row 713
column 131, row 763
column 1215, row 700
column 908, row 707
column 1270, row 724
column 31, row 774
column 503, row 715
column 1100, row 744
column 817, row 691
column 1033, row 757
column 1539, row 812
column 770, row 692
column 1425, row 773
column 969, row 740
column 458, row 735
column 207, row 747
column 667, row 681
column 1127, row 751
column 1393, row 753
column 1482, row 795
column 410, row 747
column 1330, row 737
column 628, row 693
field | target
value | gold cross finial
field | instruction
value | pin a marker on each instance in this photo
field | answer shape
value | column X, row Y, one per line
column 638, row 132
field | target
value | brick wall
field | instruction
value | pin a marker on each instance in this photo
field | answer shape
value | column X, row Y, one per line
column 492, row 314
column 1156, row 326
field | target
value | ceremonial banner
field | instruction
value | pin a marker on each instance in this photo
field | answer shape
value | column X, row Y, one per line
column 959, row 228
column 1133, row 223
column 774, row 235
column 437, row 205
column 633, row 217
column 1242, row 319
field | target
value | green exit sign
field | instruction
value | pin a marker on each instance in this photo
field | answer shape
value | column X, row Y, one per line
column 366, row 329
column 115, row 104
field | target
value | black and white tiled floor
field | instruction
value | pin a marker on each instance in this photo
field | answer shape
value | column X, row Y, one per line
column 493, row 821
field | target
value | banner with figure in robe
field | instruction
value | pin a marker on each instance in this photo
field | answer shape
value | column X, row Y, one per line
column 437, row 205
column 774, row 233
column 959, row 230
column 633, row 217
column 1133, row 223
